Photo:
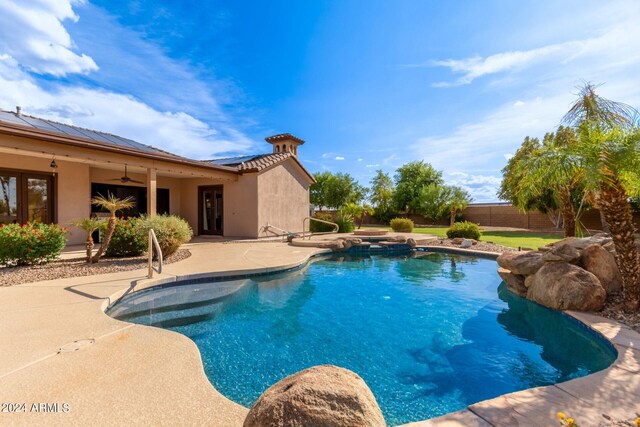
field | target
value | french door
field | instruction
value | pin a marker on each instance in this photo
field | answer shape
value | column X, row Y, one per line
column 210, row 210
column 26, row 197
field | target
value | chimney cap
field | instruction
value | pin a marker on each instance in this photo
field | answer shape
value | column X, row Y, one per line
column 284, row 137
column 18, row 110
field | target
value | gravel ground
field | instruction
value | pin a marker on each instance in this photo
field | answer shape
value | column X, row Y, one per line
column 77, row 267
column 479, row 246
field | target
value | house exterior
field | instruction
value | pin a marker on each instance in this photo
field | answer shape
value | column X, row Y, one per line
column 49, row 172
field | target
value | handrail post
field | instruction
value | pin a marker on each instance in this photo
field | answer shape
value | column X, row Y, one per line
column 153, row 244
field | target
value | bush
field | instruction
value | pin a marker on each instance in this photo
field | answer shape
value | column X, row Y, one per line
column 402, row 225
column 345, row 224
column 319, row 227
column 129, row 238
column 32, row 243
column 171, row 231
column 465, row 229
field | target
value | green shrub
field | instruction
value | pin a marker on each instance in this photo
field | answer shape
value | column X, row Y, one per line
column 402, row 225
column 32, row 243
column 319, row 227
column 465, row 229
column 171, row 231
column 129, row 238
column 345, row 224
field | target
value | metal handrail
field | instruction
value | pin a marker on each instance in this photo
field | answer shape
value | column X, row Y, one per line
column 311, row 218
column 153, row 244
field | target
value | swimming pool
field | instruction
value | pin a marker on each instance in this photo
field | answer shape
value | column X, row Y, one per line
column 429, row 333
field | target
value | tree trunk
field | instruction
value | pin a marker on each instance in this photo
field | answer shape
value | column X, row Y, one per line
column 617, row 212
column 568, row 214
column 89, row 247
column 111, row 226
column 605, row 224
column 453, row 218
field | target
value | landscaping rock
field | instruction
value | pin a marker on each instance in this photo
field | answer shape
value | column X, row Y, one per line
column 457, row 240
column 326, row 396
column 515, row 283
column 412, row 242
column 602, row 264
column 466, row 243
column 571, row 241
column 397, row 239
column 522, row 263
column 563, row 286
column 562, row 253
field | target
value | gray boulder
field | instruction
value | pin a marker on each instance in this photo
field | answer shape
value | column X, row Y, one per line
column 466, row 243
column 563, row 286
column 522, row 263
column 562, row 253
column 602, row 264
column 326, row 396
column 515, row 282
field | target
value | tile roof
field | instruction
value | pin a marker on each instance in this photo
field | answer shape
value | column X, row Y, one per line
column 252, row 163
column 76, row 131
column 284, row 137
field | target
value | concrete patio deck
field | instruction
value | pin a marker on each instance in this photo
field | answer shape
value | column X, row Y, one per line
column 125, row 374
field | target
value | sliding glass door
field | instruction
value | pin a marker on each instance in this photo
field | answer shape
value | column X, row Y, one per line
column 210, row 210
column 25, row 197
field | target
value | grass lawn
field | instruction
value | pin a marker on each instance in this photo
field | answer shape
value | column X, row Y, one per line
column 513, row 239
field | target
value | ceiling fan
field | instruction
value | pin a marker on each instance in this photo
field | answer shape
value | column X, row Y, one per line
column 125, row 179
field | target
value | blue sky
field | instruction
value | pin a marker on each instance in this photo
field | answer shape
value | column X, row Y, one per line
column 368, row 84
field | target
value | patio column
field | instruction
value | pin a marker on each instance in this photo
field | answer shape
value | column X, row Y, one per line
column 152, row 187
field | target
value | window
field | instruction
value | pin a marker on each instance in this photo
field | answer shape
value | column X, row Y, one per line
column 277, row 148
column 26, row 197
column 139, row 195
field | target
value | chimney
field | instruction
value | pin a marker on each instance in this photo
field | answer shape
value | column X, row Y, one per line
column 285, row 143
column 18, row 110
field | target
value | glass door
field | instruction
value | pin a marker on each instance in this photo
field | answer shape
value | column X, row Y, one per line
column 8, row 198
column 210, row 210
column 37, row 199
column 26, row 197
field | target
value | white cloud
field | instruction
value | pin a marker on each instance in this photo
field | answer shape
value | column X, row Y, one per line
column 168, row 127
column 372, row 166
column 32, row 33
column 360, row 159
column 483, row 188
column 339, row 158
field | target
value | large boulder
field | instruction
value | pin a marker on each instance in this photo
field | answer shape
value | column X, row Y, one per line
column 522, row 263
column 562, row 253
column 563, row 286
column 575, row 242
column 326, row 396
column 602, row 264
column 515, row 282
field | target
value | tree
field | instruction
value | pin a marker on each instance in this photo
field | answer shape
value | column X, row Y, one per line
column 89, row 225
column 410, row 179
column 335, row 190
column 592, row 108
column 112, row 204
column 457, row 201
column 382, row 190
column 610, row 158
column 432, row 201
column 355, row 211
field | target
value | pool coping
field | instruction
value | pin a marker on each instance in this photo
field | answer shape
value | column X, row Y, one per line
column 536, row 406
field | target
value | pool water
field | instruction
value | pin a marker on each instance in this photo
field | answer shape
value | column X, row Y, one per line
column 430, row 334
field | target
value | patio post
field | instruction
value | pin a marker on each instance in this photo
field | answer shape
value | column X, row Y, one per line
column 152, row 186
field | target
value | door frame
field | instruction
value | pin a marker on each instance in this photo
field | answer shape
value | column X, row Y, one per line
column 201, row 189
column 22, row 192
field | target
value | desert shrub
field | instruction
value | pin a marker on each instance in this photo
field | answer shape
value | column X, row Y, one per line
column 465, row 229
column 32, row 243
column 346, row 224
column 403, row 225
column 318, row 227
column 171, row 231
column 128, row 239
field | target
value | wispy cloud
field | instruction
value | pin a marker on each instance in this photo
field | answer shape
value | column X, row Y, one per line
column 339, row 158
column 24, row 56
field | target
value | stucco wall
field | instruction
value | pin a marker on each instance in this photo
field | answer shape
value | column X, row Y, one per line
column 73, row 190
column 240, row 213
column 283, row 197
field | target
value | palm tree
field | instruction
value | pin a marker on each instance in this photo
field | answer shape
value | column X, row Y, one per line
column 610, row 157
column 355, row 211
column 457, row 201
column 591, row 107
column 89, row 225
column 113, row 205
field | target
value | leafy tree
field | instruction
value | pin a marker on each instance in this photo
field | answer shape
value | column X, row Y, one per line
column 335, row 190
column 382, row 190
column 410, row 179
column 112, row 204
column 432, row 201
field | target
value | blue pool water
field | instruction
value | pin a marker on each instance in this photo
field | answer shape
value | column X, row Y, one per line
column 430, row 334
